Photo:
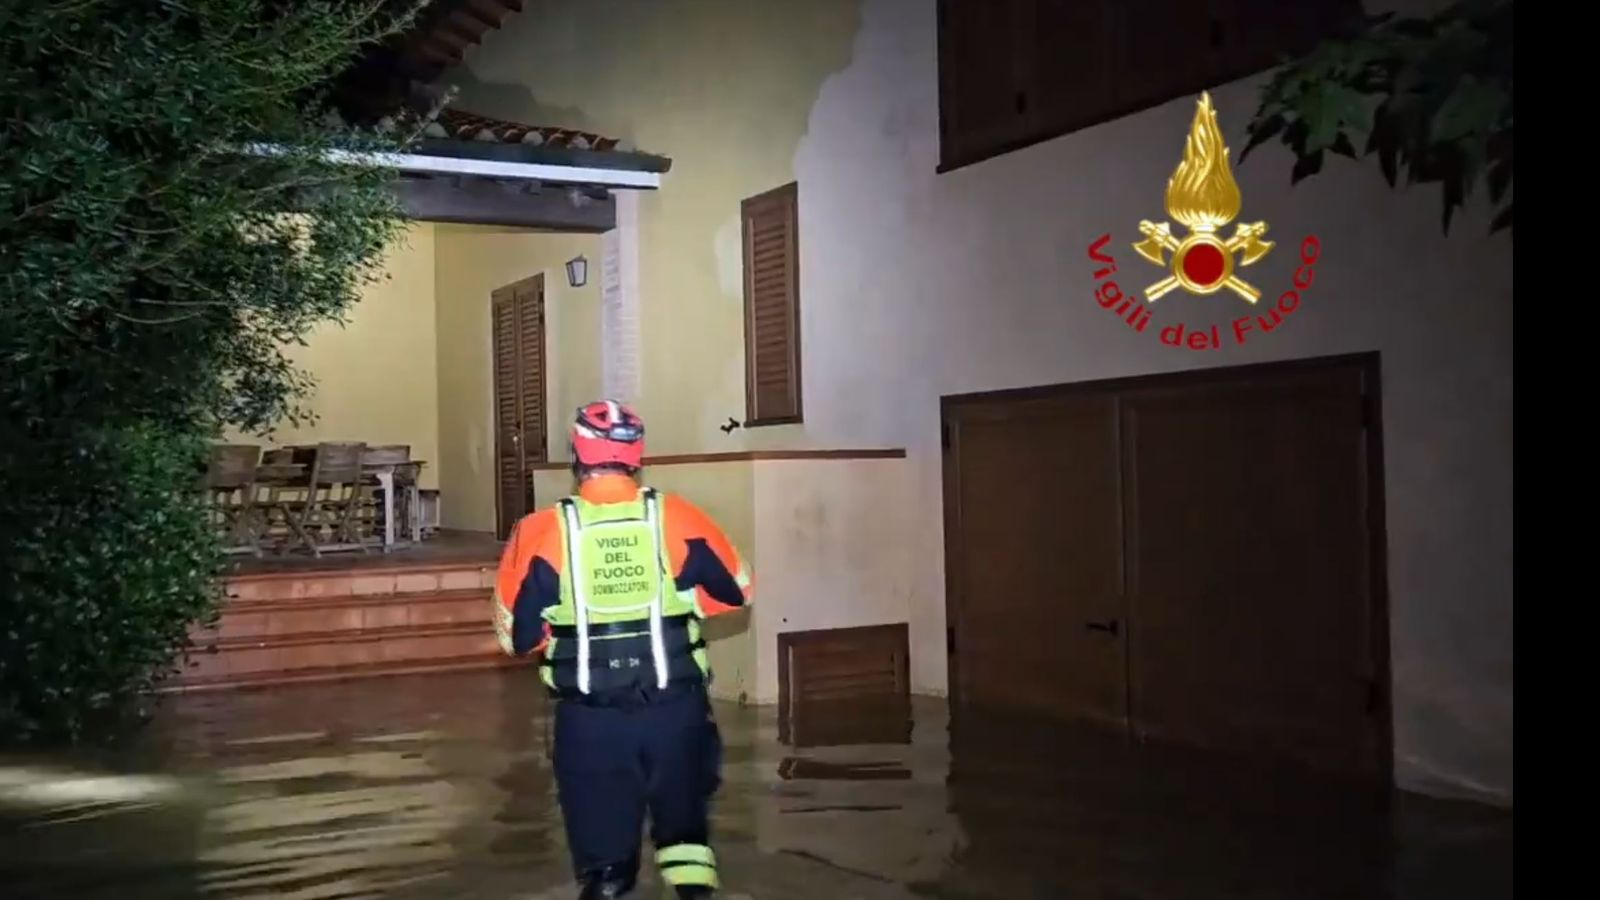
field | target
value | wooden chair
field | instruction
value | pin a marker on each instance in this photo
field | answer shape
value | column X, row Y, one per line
column 428, row 512
column 326, row 518
column 231, row 489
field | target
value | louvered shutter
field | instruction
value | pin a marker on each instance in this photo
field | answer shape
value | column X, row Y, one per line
column 530, row 328
column 772, row 307
column 519, row 378
column 508, row 457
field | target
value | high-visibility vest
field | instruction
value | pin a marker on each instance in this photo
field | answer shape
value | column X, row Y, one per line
column 621, row 622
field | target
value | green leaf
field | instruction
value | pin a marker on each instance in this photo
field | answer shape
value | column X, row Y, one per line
column 1261, row 131
column 1499, row 180
column 1432, row 96
column 1473, row 107
column 1501, row 221
column 1385, row 143
column 120, row 206
column 1305, row 167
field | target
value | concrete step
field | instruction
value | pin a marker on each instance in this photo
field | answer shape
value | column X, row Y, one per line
column 248, row 619
column 253, row 658
column 189, row 684
column 372, row 581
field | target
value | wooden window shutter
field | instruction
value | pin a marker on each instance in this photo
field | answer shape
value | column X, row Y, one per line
column 1016, row 72
column 530, row 358
column 772, row 307
column 519, row 396
column 509, row 479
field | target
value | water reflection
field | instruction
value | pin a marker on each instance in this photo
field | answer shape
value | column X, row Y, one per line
column 440, row 787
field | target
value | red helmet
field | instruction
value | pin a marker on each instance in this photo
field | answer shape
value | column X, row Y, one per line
column 607, row 433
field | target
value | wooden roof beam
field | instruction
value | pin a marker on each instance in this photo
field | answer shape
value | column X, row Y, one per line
column 465, row 27
column 430, row 51
column 490, row 14
column 437, row 33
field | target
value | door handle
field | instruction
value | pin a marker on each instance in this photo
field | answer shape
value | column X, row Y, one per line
column 1110, row 627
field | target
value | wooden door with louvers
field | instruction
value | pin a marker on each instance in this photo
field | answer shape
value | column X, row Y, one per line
column 519, row 387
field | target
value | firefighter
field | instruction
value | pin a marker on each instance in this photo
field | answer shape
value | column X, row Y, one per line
column 611, row 586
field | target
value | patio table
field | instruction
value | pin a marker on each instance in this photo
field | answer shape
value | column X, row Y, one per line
column 385, row 474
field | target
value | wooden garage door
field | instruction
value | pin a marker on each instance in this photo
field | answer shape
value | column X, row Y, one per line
column 1193, row 557
column 1249, row 566
column 1037, row 557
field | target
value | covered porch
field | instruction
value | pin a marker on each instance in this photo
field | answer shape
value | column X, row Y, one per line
column 430, row 401
column 365, row 537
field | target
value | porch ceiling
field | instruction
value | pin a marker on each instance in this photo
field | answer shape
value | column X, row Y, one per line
column 489, row 201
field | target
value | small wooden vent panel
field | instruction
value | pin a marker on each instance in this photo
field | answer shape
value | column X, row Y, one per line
column 845, row 686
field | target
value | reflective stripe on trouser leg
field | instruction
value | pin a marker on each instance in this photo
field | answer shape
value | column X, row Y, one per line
column 688, row 865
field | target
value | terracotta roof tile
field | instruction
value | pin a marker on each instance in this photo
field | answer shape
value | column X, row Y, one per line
column 455, row 124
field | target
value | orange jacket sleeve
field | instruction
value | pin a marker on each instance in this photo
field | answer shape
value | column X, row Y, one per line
column 527, row 582
column 705, row 559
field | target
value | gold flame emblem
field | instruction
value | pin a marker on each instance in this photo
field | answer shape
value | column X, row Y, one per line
column 1202, row 196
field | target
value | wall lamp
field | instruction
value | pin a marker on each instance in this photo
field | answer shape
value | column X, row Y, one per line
column 577, row 271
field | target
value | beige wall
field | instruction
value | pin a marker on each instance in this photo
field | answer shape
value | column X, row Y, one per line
column 710, row 84
column 413, row 364
column 377, row 374
column 471, row 262
column 828, row 550
column 916, row 285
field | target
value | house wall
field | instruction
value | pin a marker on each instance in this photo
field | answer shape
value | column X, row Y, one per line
column 828, row 550
column 916, row 285
column 377, row 374
column 472, row 261
column 709, row 84
column 413, row 363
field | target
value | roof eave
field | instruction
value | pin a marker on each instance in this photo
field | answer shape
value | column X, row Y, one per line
column 538, row 155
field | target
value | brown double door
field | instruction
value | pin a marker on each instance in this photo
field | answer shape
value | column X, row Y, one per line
column 1193, row 558
column 519, row 391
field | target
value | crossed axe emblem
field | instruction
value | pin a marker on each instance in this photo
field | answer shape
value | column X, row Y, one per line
column 1159, row 241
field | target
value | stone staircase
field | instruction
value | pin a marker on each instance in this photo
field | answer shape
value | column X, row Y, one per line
column 308, row 626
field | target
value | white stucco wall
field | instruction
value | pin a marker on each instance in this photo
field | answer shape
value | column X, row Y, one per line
column 828, row 552
column 918, row 285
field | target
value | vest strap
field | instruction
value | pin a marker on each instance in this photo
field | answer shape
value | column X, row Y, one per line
column 607, row 629
column 567, row 663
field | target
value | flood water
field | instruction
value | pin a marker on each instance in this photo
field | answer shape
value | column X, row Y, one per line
column 440, row 787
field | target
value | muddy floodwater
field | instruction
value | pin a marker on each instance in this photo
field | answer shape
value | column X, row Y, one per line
column 440, row 787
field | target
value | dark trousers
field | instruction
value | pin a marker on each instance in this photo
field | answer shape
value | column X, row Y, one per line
column 616, row 762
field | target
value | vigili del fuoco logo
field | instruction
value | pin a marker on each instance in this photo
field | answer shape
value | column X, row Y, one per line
column 1203, row 198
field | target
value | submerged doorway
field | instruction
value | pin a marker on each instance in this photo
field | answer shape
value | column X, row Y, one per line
column 519, row 397
column 1195, row 558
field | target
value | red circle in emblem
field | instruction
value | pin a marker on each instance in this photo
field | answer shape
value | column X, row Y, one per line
column 1203, row 264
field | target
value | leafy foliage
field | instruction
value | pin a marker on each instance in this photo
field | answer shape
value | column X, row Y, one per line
column 171, row 221
column 106, row 568
column 1431, row 96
